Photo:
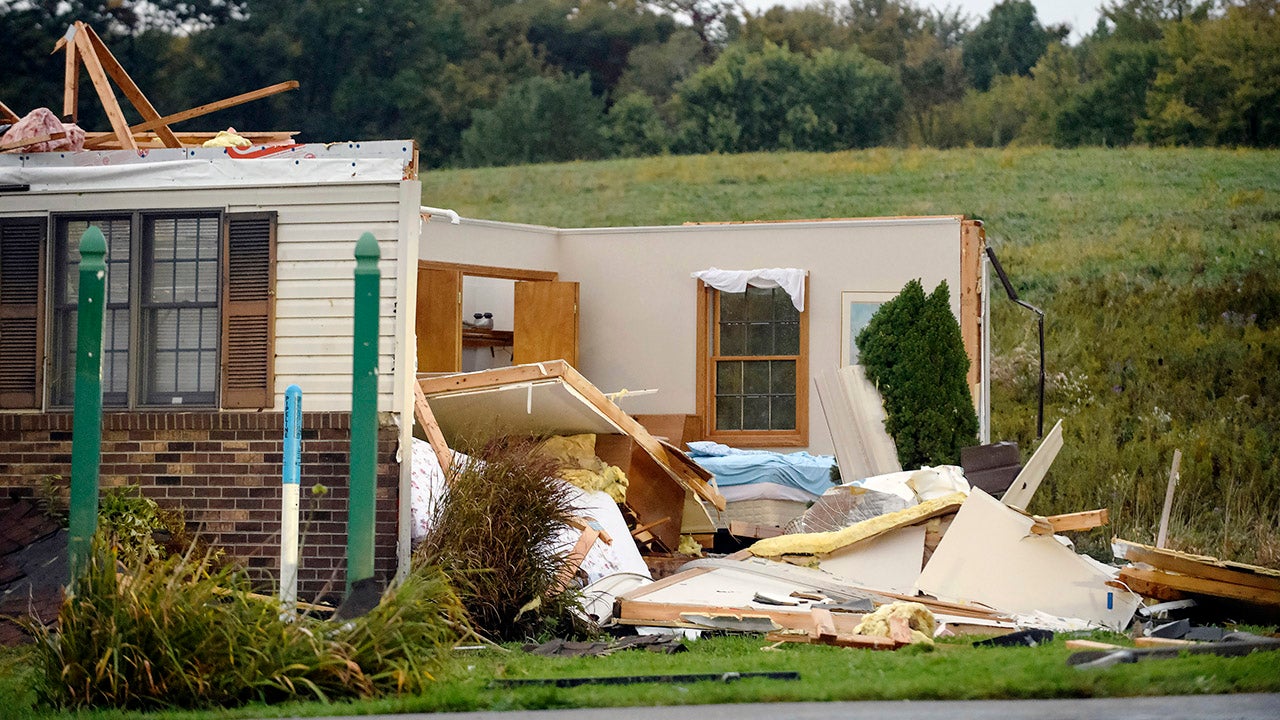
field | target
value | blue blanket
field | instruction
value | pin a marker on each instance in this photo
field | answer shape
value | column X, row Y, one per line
column 734, row 466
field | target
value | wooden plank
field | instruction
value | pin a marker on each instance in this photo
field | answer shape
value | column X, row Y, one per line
column 71, row 83
column 575, row 557
column 1168, row 499
column 1086, row 520
column 107, row 141
column 546, row 322
column 490, row 271
column 824, row 625
column 422, row 411
column 1024, row 486
column 639, row 612
column 31, row 141
column 1200, row 565
column 8, row 115
column 438, row 320
column 103, row 86
column 130, row 88
column 972, row 240
column 208, row 108
column 1092, row 645
column 1161, row 642
column 1202, row 586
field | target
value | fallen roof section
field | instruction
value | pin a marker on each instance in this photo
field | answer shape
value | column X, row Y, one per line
column 829, row 542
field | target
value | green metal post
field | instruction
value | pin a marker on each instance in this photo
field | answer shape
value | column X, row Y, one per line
column 86, row 425
column 364, row 413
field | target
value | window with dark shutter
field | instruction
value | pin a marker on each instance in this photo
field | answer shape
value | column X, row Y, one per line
column 21, row 316
column 248, row 310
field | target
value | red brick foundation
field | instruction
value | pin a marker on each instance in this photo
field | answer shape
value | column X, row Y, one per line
column 223, row 470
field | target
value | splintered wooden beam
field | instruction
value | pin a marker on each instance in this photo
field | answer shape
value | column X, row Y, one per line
column 130, row 88
column 1087, row 520
column 98, row 75
column 71, row 82
column 427, row 419
column 8, row 115
column 212, row 107
column 31, row 141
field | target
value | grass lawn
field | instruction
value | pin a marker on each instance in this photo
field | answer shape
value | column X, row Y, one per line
column 1158, row 269
column 953, row 671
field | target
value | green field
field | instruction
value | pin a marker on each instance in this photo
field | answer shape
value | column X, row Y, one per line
column 1158, row 269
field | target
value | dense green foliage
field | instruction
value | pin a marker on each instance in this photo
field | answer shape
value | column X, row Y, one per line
column 912, row 351
column 176, row 633
column 1158, row 269
column 495, row 533
column 824, row 76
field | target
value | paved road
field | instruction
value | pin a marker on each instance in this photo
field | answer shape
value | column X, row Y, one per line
column 1195, row 707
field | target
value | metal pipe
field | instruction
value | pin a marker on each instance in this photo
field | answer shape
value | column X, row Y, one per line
column 454, row 218
column 291, row 477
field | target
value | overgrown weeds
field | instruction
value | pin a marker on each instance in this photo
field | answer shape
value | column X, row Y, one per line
column 494, row 533
column 178, row 632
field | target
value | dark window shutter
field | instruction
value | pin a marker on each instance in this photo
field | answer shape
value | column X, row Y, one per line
column 248, row 310
column 21, row 316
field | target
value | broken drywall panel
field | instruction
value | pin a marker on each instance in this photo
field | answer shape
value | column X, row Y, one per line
column 990, row 556
column 890, row 561
column 829, row 542
column 1024, row 486
column 855, row 416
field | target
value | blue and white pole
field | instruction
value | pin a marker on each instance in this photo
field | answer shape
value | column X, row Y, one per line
column 289, row 551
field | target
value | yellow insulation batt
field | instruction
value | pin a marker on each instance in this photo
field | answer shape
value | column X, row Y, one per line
column 581, row 467
column 827, row 542
column 916, row 616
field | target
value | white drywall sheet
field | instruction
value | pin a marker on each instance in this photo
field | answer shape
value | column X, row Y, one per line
column 990, row 556
column 886, row 562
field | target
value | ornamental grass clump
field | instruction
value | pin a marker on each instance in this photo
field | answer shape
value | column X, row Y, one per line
column 495, row 533
column 179, row 633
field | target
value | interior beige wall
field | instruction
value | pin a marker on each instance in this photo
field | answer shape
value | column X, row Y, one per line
column 638, row 311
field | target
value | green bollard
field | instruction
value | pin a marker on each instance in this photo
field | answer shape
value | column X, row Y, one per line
column 364, row 414
column 86, row 427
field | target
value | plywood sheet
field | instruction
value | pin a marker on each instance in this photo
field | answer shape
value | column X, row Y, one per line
column 990, row 555
column 1024, row 486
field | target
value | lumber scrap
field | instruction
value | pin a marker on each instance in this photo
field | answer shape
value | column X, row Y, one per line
column 129, row 87
column 208, row 108
column 108, row 141
column 1092, row 645
column 824, row 625
column 1200, row 586
column 422, row 411
column 1086, row 520
column 27, row 142
column 828, row 542
column 1163, row 535
column 1203, row 566
column 84, row 47
column 1024, row 486
column 7, row 115
column 1162, row 642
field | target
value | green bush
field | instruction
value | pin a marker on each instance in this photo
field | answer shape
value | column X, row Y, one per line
column 178, row 633
column 635, row 129
column 913, row 352
column 494, row 533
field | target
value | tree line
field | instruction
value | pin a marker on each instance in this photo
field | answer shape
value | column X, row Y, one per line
column 492, row 82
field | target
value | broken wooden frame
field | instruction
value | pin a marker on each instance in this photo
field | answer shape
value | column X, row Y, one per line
column 84, row 47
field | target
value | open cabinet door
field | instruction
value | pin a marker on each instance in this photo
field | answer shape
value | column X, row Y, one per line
column 546, row 322
column 439, row 320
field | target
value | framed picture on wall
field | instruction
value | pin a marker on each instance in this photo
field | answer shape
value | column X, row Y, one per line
column 856, row 309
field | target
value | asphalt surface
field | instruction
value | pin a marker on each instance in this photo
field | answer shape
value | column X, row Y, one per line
column 1202, row 707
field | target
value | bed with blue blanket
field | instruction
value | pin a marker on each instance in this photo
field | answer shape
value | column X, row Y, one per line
column 763, row 487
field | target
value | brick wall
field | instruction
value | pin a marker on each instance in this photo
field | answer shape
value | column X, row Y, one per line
column 223, row 470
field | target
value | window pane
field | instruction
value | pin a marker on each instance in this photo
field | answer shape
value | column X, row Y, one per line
column 759, row 304
column 787, row 338
column 733, row 338
column 755, row 412
column 729, row 378
column 755, row 377
column 760, row 340
column 783, row 380
column 733, row 307
column 207, row 283
column 782, row 414
column 181, row 313
column 728, row 413
column 162, row 283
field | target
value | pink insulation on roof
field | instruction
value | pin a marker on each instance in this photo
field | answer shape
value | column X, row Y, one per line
column 41, row 122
